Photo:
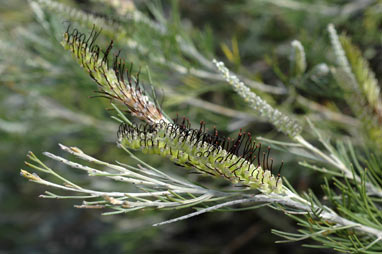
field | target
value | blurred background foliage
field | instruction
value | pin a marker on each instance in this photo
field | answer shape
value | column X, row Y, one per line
column 44, row 98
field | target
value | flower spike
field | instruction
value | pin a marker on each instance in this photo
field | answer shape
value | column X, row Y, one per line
column 113, row 78
column 207, row 153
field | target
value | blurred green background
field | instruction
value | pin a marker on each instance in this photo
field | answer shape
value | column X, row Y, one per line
column 44, row 100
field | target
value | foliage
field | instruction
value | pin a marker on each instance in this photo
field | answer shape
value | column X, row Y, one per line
column 320, row 91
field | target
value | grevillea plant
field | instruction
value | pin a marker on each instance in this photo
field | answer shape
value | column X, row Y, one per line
column 348, row 218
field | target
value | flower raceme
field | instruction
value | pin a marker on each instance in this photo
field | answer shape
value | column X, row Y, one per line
column 114, row 80
column 239, row 160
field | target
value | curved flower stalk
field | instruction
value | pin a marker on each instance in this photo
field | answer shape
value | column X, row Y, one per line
column 114, row 80
column 281, row 121
column 210, row 154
